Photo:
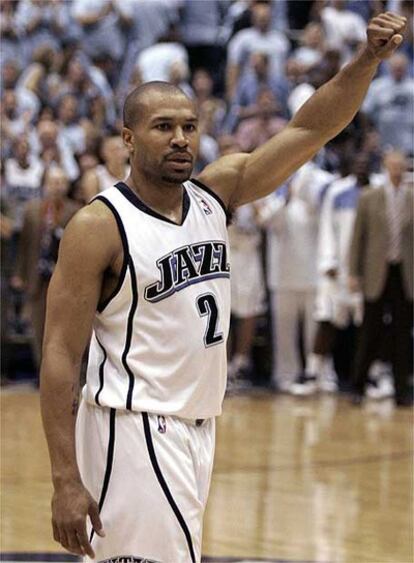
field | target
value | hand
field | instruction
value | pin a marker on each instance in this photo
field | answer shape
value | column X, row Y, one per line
column 353, row 284
column 385, row 34
column 71, row 504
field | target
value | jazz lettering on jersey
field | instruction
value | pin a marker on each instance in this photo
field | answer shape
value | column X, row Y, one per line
column 188, row 265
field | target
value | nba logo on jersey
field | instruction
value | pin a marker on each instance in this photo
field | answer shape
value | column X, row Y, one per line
column 206, row 208
column 162, row 425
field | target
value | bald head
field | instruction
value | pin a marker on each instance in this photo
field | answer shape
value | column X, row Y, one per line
column 136, row 102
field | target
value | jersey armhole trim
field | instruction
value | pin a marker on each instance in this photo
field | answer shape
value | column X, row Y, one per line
column 121, row 229
column 214, row 195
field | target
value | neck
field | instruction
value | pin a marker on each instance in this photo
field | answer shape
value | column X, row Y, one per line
column 164, row 197
column 115, row 169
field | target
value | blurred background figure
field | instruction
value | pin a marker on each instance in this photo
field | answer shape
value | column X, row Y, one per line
column 336, row 307
column 42, row 229
column 381, row 266
column 390, row 105
column 113, row 169
column 291, row 217
column 247, row 285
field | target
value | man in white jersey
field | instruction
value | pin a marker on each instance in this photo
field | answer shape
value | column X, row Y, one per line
column 145, row 269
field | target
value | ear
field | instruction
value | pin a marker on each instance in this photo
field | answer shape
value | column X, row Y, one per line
column 128, row 139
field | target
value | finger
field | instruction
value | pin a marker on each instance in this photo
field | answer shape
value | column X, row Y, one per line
column 380, row 32
column 74, row 546
column 84, row 542
column 96, row 519
column 63, row 538
column 390, row 22
column 56, row 535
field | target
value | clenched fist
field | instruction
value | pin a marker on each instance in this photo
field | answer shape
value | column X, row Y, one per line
column 385, row 34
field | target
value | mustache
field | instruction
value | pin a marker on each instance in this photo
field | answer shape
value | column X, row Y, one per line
column 182, row 155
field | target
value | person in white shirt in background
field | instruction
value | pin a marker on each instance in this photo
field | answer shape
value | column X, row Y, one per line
column 335, row 306
column 247, row 283
column 113, row 169
column 345, row 29
column 291, row 217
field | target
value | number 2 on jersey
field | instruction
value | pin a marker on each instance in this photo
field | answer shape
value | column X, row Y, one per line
column 207, row 306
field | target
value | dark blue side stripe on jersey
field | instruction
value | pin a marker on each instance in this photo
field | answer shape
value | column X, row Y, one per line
column 130, row 325
column 105, row 302
column 164, row 486
column 109, row 463
column 101, row 372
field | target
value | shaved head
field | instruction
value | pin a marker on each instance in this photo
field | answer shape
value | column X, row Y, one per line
column 135, row 102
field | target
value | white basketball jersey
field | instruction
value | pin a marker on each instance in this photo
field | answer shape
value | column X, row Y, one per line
column 159, row 342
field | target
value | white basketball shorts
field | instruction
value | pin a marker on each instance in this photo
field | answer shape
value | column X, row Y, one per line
column 247, row 283
column 334, row 303
column 150, row 476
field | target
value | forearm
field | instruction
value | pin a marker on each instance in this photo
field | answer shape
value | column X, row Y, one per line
column 59, row 396
column 334, row 105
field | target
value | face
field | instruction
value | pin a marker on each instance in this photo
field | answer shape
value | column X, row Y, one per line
column 261, row 16
column 163, row 144
column 398, row 66
column 202, row 82
column 361, row 168
column 113, row 150
column 395, row 164
column 56, row 184
column 68, row 109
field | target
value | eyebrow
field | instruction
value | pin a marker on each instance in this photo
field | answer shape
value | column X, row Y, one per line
column 168, row 118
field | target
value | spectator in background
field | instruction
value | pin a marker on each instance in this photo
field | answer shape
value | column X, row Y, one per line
column 381, row 266
column 209, row 106
column 43, row 224
column 345, row 30
column 312, row 48
column 42, row 23
column 292, row 236
column 101, row 35
column 113, row 169
column 266, row 121
column 256, row 77
column 70, row 128
column 260, row 37
column 247, row 283
column 23, row 174
column 389, row 104
column 52, row 148
column 201, row 33
column 335, row 306
column 155, row 62
column 10, row 34
column 143, row 22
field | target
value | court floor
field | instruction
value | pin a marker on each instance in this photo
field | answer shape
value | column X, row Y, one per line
column 295, row 480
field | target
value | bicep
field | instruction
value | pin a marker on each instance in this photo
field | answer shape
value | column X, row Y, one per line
column 271, row 164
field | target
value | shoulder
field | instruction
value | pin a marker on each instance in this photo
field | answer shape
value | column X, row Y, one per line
column 93, row 231
column 223, row 175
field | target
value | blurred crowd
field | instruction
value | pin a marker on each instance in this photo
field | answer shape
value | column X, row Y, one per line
column 66, row 67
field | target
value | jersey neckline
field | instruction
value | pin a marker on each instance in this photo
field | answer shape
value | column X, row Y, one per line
column 133, row 198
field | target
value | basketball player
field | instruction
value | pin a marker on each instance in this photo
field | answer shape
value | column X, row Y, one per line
column 145, row 269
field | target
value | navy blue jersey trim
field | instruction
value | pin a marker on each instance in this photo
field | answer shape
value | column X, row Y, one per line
column 109, row 463
column 128, row 340
column 214, row 195
column 164, row 485
column 133, row 198
column 105, row 302
column 101, row 372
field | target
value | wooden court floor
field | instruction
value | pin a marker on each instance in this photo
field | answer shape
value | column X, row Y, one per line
column 295, row 480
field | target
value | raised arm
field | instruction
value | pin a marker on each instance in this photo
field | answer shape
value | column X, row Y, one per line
column 89, row 247
column 241, row 178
